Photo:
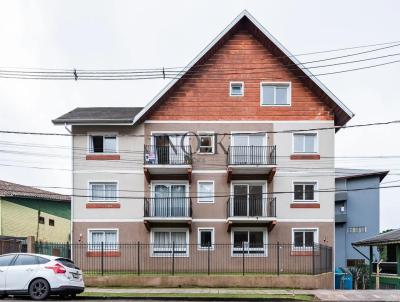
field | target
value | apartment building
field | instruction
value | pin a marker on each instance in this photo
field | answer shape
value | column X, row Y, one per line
column 232, row 151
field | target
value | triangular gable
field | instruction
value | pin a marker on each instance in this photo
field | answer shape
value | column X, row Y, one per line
column 341, row 113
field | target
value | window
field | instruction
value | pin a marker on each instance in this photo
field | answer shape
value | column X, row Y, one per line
column 167, row 242
column 41, row 220
column 248, row 242
column 205, row 191
column 103, row 191
column 6, row 260
column 275, row 94
column 109, row 238
column 355, row 262
column 305, row 143
column 103, row 144
column 305, row 192
column 357, row 229
column 26, row 260
column 304, row 238
column 236, row 89
column 206, row 238
column 41, row 260
column 206, row 141
column 51, row 222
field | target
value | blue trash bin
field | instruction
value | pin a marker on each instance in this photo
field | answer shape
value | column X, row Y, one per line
column 339, row 274
column 347, row 280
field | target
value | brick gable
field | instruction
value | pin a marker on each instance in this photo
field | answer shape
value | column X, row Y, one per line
column 204, row 95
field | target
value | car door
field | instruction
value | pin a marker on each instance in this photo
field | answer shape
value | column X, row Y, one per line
column 5, row 262
column 21, row 272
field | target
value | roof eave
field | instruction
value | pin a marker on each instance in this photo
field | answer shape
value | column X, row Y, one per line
column 92, row 122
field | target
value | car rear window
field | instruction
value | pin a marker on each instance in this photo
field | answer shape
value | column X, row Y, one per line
column 67, row 263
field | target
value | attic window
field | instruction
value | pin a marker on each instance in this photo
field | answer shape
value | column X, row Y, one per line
column 51, row 222
column 41, row 220
column 275, row 94
column 236, row 89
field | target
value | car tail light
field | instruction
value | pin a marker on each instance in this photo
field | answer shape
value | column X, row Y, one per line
column 57, row 268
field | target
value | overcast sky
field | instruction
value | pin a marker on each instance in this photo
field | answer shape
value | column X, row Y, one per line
column 143, row 34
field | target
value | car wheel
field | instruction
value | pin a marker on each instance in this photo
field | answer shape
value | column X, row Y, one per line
column 39, row 289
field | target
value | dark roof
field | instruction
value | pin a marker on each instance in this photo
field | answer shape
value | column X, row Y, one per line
column 390, row 237
column 341, row 173
column 99, row 115
column 9, row 189
column 245, row 20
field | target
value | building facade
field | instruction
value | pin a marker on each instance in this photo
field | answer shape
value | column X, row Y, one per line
column 27, row 211
column 356, row 213
column 230, row 152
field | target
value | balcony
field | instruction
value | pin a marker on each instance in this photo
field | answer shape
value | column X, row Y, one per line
column 167, row 162
column 251, row 162
column 251, row 210
column 167, row 210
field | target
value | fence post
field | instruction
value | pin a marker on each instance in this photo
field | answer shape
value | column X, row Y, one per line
column 173, row 258
column 102, row 258
column 243, row 258
column 277, row 262
column 138, row 258
column 208, row 260
column 313, row 258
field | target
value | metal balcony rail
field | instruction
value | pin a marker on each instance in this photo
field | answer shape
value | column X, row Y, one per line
column 251, row 206
column 252, row 155
column 167, row 155
column 184, row 258
column 168, row 207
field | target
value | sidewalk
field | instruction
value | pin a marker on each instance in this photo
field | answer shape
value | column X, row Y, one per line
column 324, row 295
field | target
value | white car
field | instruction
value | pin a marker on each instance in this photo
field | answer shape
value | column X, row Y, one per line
column 39, row 276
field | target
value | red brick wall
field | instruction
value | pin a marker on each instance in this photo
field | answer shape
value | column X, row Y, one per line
column 203, row 98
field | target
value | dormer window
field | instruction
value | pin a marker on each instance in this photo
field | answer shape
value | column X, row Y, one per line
column 275, row 94
column 103, row 143
column 236, row 89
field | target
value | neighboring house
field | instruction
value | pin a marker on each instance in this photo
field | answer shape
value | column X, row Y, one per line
column 356, row 212
column 27, row 211
column 143, row 189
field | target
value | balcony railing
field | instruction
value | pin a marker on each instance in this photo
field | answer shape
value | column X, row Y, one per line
column 252, row 155
column 340, row 217
column 167, row 155
column 250, row 206
column 168, row 207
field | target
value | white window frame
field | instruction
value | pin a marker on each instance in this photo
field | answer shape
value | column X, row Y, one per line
column 289, row 93
column 304, row 248
column 316, row 145
column 250, row 229
column 89, row 239
column 155, row 230
column 91, row 182
column 306, row 182
column 199, row 230
column 89, row 137
column 207, row 133
column 212, row 199
column 235, row 83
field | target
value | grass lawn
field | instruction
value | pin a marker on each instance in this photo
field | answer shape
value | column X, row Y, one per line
column 287, row 297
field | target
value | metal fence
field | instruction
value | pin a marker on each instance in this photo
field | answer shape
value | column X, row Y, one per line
column 168, row 207
column 251, row 155
column 167, row 155
column 251, row 206
column 173, row 259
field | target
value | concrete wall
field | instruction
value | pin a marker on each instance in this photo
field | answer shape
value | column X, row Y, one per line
column 323, row 281
column 362, row 209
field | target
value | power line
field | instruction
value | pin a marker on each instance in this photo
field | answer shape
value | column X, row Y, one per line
column 226, row 134
column 220, row 195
